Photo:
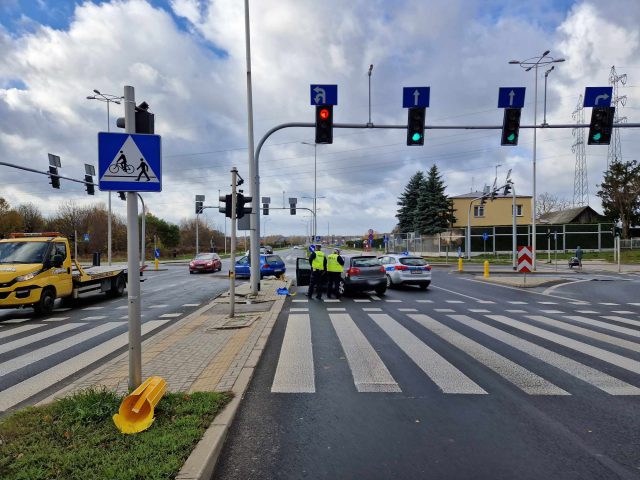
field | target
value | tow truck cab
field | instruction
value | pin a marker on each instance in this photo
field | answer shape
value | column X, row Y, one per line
column 37, row 268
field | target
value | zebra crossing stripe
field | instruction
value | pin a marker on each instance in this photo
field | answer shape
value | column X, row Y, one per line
column 595, row 352
column 603, row 337
column 43, row 380
column 368, row 370
column 616, row 318
column 519, row 376
column 17, row 363
column 604, row 325
column 439, row 370
column 598, row 379
column 38, row 336
column 15, row 331
column 294, row 373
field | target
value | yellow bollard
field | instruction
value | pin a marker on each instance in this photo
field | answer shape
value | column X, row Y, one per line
column 486, row 268
column 459, row 264
column 156, row 262
column 136, row 411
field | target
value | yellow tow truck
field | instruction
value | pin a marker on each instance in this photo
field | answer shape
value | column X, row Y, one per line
column 37, row 268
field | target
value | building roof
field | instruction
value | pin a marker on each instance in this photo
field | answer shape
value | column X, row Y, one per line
column 479, row 194
column 568, row 216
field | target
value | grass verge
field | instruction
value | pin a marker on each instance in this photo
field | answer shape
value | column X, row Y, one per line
column 75, row 438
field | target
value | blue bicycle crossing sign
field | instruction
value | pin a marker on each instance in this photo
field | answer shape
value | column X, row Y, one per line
column 129, row 162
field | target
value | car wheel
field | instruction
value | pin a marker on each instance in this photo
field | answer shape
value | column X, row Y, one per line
column 341, row 288
column 381, row 290
column 389, row 282
column 46, row 303
column 191, row 272
column 117, row 286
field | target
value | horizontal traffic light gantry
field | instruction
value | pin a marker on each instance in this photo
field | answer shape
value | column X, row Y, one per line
column 415, row 126
column 601, row 125
column 511, row 126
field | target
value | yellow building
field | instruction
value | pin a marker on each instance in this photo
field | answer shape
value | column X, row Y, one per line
column 496, row 213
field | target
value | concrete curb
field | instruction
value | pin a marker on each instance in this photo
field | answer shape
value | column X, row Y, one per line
column 202, row 462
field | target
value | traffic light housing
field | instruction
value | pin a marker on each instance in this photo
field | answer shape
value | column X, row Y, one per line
column 265, row 209
column 199, row 207
column 241, row 210
column 511, row 126
column 415, row 126
column 226, row 207
column 53, row 174
column 145, row 120
column 88, row 181
column 507, row 189
column 601, row 125
column 324, row 123
column 292, row 205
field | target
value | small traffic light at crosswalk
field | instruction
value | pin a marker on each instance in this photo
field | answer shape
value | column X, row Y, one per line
column 225, row 205
column 241, row 200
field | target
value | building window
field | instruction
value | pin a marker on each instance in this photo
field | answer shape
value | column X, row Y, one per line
column 478, row 211
column 518, row 210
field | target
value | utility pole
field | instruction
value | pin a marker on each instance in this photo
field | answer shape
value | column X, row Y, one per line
column 133, row 267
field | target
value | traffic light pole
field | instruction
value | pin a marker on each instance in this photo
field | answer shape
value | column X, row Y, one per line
column 133, row 263
column 255, row 225
column 232, row 256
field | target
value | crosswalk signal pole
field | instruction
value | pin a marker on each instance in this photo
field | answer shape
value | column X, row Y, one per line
column 133, row 263
column 232, row 256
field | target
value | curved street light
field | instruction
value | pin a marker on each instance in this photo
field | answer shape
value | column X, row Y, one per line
column 529, row 64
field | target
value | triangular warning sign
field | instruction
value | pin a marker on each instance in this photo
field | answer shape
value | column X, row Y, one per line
column 129, row 165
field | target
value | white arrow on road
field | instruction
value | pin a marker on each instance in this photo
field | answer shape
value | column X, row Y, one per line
column 321, row 96
column 604, row 97
column 511, row 95
column 416, row 95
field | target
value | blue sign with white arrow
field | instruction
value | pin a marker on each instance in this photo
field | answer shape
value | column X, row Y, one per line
column 129, row 162
column 511, row 97
column 415, row 97
column 324, row 94
column 597, row 96
column 485, row 236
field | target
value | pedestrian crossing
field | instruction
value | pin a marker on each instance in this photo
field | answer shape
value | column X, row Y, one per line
column 556, row 354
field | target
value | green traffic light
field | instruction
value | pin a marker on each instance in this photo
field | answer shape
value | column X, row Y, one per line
column 511, row 137
column 416, row 136
column 597, row 136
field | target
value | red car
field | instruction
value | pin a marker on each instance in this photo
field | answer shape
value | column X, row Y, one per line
column 205, row 262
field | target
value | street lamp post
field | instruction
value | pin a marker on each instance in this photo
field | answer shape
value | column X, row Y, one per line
column 315, row 191
column 107, row 98
column 534, row 63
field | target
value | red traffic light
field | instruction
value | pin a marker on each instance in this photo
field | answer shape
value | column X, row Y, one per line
column 324, row 113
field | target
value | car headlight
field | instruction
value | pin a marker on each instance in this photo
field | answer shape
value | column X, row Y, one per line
column 28, row 276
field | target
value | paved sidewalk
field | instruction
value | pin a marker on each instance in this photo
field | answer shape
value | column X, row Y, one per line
column 205, row 351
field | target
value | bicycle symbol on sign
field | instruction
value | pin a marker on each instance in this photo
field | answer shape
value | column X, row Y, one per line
column 121, row 164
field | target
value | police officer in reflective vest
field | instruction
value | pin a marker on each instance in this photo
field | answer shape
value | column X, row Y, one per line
column 335, row 262
column 318, row 262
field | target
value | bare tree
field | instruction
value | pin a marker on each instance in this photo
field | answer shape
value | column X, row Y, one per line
column 547, row 202
column 32, row 219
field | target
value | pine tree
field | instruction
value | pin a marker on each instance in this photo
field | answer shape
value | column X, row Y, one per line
column 620, row 194
column 434, row 210
column 408, row 203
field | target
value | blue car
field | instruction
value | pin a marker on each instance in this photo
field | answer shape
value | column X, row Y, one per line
column 269, row 265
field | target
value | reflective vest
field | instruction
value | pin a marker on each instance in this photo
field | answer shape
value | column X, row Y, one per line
column 318, row 262
column 332, row 263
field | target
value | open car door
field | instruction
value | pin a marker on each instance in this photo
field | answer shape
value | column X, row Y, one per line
column 303, row 272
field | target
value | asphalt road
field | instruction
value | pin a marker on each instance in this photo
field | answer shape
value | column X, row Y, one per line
column 465, row 380
column 39, row 355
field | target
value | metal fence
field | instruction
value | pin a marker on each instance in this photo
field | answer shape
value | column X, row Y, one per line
column 498, row 240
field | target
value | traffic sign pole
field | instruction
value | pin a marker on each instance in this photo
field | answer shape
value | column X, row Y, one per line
column 133, row 267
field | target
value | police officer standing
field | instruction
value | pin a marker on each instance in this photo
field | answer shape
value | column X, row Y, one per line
column 318, row 262
column 335, row 262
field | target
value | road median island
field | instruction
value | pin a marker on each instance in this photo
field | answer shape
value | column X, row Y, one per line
column 205, row 352
column 519, row 281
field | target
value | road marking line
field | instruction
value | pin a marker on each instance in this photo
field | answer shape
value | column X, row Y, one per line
column 38, row 336
column 300, row 301
column 610, row 304
column 371, row 309
column 97, row 317
column 634, row 304
column 454, row 301
column 457, row 293
column 587, row 311
column 122, row 307
column 368, row 371
column 407, row 310
column 61, row 310
column 298, row 309
column 445, row 310
column 623, row 312
column 579, row 303
column 479, row 310
column 124, row 317
column 485, row 301
column 331, row 300
column 516, row 311
column 33, row 356
column 16, row 320
column 548, row 303
column 424, row 301
column 519, row 376
column 375, row 297
column 603, row 337
column 9, row 332
column 56, row 319
column 517, row 303
column 93, row 308
column 37, row 383
column 170, row 315
column 361, row 300
column 447, row 377
column 615, row 318
column 595, row 352
column 551, row 311
column 393, row 301
column 336, row 309
column 157, row 306
column 191, row 305
column 295, row 372
column 594, row 377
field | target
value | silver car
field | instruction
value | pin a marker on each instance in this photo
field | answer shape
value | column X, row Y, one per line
column 406, row 270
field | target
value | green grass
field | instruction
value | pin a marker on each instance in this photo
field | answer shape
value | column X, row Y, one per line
column 75, row 438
